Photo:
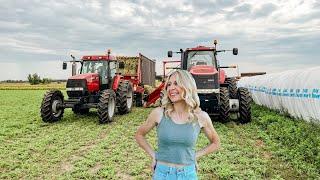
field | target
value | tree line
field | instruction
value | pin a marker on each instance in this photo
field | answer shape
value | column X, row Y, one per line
column 36, row 79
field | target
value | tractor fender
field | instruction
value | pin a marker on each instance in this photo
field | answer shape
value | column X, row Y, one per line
column 116, row 81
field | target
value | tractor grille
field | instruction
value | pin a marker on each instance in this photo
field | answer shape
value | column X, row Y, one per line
column 75, row 93
column 206, row 81
column 76, row 83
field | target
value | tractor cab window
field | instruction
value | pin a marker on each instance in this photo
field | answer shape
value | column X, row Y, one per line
column 99, row 67
column 200, row 58
column 113, row 68
column 94, row 67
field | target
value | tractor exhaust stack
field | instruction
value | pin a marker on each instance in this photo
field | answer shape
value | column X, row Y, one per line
column 74, row 65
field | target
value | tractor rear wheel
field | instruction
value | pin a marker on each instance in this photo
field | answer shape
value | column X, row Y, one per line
column 232, row 86
column 124, row 97
column 224, row 112
column 106, row 106
column 244, row 105
column 51, row 106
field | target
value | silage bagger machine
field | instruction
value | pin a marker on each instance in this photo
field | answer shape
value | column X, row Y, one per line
column 99, row 85
column 218, row 93
column 140, row 71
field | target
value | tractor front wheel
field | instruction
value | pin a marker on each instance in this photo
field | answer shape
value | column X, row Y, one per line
column 244, row 105
column 106, row 106
column 232, row 86
column 124, row 97
column 52, row 106
column 224, row 112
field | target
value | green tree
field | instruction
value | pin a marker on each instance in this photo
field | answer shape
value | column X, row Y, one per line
column 34, row 79
column 46, row 81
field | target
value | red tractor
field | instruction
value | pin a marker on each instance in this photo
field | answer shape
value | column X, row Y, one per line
column 97, row 86
column 219, row 95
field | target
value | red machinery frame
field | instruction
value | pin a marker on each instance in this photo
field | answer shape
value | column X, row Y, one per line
column 156, row 94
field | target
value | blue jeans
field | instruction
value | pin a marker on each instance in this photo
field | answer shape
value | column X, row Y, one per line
column 182, row 173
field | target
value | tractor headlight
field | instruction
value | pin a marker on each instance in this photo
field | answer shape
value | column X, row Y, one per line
column 75, row 89
column 208, row 91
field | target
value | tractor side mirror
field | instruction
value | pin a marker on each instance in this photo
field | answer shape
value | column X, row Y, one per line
column 121, row 65
column 235, row 51
column 64, row 66
column 169, row 53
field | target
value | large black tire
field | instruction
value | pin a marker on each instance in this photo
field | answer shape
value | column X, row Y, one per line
column 51, row 110
column 106, row 106
column 224, row 106
column 232, row 86
column 81, row 111
column 244, row 105
column 124, row 97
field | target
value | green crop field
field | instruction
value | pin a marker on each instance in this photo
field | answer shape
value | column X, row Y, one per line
column 272, row 146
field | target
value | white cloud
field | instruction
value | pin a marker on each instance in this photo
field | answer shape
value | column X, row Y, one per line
column 95, row 4
column 24, row 46
column 266, row 32
column 121, row 9
column 12, row 25
column 10, row 71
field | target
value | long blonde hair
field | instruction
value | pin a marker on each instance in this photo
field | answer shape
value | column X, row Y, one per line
column 185, row 80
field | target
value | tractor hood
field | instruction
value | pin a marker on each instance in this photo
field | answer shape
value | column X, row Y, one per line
column 87, row 76
column 91, row 81
column 207, row 77
column 203, row 70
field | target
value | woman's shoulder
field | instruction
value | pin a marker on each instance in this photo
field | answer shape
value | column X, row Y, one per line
column 158, row 110
column 203, row 117
column 157, row 114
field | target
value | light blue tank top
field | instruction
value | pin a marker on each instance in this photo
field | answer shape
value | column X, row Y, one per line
column 176, row 142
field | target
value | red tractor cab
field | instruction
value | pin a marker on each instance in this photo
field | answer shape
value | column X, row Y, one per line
column 97, row 86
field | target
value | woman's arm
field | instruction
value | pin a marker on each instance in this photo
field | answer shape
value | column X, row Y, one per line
column 150, row 123
column 211, row 134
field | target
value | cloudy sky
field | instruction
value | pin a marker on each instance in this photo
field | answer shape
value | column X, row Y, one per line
column 272, row 36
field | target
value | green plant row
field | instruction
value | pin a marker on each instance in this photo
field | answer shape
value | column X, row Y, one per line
column 294, row 140
column 272, row 146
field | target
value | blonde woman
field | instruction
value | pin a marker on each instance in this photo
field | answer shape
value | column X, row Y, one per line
column 178, row 124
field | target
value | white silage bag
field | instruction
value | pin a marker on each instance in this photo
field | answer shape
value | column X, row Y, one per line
column 296, row 92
